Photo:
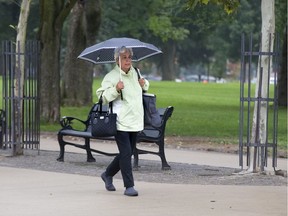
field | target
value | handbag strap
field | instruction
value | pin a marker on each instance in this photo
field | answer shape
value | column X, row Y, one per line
column 100, row 102
column 111, row 106
column 138, row 72
column 139, row 76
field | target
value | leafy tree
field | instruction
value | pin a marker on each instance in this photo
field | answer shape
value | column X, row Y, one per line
column 155, row 21
column 186, row 38
column 247, row 20
column 52, row 16
column 204, row 41
column 77, row 79
column 216, row 36
column 9, row 12
column 259, row 130
column 19, row 83
column 228, row 5
column 169, row 27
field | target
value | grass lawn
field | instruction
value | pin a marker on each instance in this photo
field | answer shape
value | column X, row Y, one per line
column 208, row 110
column 200, row 110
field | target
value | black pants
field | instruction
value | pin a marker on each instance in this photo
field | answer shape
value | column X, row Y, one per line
column 126, row 142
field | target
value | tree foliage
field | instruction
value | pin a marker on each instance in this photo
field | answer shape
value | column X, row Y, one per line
column 158, row 22
column 9, row 12
column 204, row 37
column 228, row 5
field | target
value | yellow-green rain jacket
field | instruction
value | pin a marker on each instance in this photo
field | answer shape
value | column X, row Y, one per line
column 130, row 114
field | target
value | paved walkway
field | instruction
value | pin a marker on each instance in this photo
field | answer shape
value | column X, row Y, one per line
column 29, row 192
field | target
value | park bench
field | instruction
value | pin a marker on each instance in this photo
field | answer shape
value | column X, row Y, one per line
column 149, row 134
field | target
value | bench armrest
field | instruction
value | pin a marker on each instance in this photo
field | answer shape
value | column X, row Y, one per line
column 150, row 133
column 67, row 122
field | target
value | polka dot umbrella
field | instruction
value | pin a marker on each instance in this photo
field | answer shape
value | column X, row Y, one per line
column 103, row 52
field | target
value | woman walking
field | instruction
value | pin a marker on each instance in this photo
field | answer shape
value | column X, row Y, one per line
column 122, row 87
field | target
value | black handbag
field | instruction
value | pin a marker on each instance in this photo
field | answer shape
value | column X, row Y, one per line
column 151, row 115
column 103, row 123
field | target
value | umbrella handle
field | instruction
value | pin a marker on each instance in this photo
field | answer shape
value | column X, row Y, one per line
column 121, row 95
column 120, row 68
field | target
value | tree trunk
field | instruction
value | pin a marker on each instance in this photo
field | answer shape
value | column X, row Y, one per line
column 78, row 74
column 259, row 125
column 52, row 15
column 282, row 79
column 168, row 61
column 19, row 81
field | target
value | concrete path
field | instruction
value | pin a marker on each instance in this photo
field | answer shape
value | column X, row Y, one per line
column 37, row 193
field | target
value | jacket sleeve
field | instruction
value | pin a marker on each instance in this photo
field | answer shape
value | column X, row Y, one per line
column 107, row 90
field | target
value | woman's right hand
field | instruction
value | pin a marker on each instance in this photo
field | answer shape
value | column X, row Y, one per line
column 119, row 86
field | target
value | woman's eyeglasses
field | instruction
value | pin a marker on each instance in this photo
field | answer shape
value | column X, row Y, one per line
column 126, row 57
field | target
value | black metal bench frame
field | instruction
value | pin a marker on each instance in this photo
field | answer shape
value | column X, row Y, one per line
column 149, row 134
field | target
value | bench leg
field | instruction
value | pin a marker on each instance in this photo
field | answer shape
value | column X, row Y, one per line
column 90, row 158
column 165, row 165
column 62, row 148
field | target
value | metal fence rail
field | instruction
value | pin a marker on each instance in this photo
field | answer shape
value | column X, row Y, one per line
column 26, row 102
column 249, row 99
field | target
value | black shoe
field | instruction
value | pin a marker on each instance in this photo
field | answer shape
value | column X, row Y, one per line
column 108, row 182
column 130, row 192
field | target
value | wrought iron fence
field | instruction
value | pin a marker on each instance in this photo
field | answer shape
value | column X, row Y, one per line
column 21, row 105
column 252, row 99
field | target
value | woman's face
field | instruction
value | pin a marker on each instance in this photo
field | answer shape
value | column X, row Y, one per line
column 125, row 59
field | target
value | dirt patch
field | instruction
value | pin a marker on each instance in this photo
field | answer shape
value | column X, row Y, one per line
column 200, row 143
column 207, row 144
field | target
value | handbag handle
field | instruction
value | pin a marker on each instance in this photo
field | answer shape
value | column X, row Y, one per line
column 100, row 102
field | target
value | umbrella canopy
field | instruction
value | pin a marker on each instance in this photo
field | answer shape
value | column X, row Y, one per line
column 104, row 52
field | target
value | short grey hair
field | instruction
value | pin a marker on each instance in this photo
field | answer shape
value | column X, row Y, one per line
column 120, row 50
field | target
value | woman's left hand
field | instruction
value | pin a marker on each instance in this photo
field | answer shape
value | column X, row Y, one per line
column 142, row 82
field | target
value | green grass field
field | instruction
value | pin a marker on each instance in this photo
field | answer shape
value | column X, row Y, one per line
column 201, row 110
column 208, row 110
